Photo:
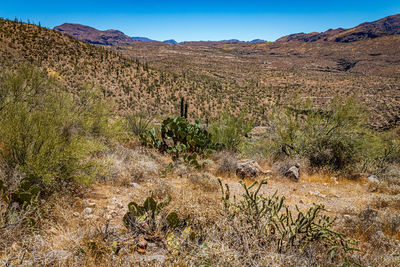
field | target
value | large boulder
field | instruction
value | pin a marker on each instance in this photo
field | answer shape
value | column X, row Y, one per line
column 249, row 169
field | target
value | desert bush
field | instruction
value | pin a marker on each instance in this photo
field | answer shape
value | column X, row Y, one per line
column 228, row 131
column 46, row 133
column 138, row 123
column 227, row 162
column 333, row 137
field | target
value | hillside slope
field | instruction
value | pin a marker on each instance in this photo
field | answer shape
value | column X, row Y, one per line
column 242, row 77
column 132, row 85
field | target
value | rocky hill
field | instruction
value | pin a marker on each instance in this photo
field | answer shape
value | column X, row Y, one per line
column 368, row 30
column 92, row 35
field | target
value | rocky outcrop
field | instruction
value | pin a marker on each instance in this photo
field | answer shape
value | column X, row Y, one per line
column 249, row 169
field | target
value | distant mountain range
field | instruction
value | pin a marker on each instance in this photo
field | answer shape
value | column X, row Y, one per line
column 171, row 41
column 114, row 37
column 141, row 39
column 368, row 30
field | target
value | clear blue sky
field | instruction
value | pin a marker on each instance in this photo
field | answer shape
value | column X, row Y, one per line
column 203, row 20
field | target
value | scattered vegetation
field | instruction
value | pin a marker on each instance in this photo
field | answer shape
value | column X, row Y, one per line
column 268, row 219
column 57, row 134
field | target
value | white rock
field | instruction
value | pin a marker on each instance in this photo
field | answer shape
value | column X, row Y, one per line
column 134, row 185
column 373, row 179
column 88, row 211
column 317, row 193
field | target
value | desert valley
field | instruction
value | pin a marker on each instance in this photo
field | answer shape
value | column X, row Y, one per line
column 125, row 151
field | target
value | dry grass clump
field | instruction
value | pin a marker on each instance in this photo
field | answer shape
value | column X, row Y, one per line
column 227, row 163
column 204, row 181
column 126, row 165
column 386, row 201
column 380, row 235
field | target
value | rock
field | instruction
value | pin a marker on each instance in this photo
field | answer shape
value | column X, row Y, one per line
column 373, row 179
column 317, row 193
column 87, row 211
column 134, row 185
column 76, row 214
column 249, row 169
column 291, row 171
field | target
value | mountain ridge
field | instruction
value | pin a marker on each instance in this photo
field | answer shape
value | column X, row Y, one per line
column 386, row 26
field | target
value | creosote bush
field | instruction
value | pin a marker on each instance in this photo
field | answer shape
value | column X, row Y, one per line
column 228, row 131
column 334, row 138
column 47, row 134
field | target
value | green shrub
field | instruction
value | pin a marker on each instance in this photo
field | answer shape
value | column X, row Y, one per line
column 229, row 130
column 46, row 133
column 333, row 137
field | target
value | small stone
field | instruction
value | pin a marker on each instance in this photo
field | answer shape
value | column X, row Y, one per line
column 317, row 193
column 76, row 214
column 301, row 201
column 334, row 180
column 91, row 204
column 88, row 211
column 373, row 179
column 134, row 185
